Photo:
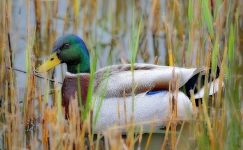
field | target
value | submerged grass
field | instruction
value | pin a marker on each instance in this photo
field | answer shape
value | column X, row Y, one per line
column 194, row 34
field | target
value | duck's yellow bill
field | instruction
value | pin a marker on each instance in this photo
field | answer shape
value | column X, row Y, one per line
column 50, row 63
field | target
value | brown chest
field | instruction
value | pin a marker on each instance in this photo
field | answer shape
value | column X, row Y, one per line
column 73, row 87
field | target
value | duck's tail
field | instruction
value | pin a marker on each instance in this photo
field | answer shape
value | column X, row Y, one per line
column 197, row 84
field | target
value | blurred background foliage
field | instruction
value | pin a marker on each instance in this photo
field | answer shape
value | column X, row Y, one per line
column 190, row 33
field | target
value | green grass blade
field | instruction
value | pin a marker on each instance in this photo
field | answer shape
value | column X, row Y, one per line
column 231, row 44
column 190, row 11
column 207, row 17
column 215, row 54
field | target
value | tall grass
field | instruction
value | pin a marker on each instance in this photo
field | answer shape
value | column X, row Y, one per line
column 195, row 33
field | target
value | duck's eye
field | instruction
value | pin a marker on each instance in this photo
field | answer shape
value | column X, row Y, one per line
column 65, row 46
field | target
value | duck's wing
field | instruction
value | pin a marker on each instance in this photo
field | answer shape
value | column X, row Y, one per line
column 120, row 80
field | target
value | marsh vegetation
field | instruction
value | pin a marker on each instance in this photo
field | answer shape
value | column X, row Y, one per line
column 176, row 33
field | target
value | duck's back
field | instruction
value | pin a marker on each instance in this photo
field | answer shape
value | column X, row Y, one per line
column 122, row 80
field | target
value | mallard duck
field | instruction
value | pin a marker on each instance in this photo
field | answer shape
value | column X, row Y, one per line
column 142, row 92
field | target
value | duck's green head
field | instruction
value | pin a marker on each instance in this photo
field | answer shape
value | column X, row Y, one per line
column 69, row 49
